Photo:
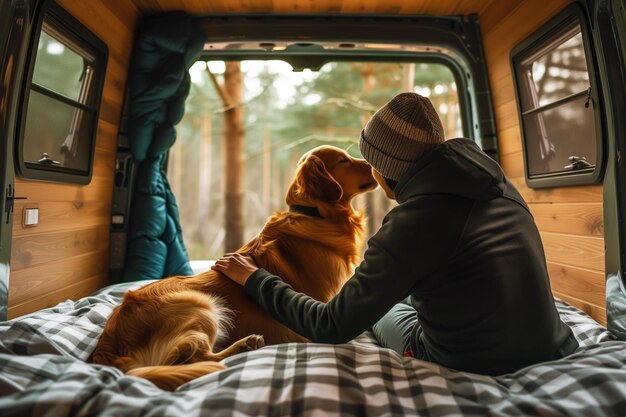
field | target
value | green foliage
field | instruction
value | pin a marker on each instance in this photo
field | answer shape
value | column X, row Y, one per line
column 327, row 107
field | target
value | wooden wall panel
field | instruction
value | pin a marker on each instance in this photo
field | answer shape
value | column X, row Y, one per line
column 73, row 291
column 596, row 311
column 579, row 251
column 584, row 219
column 66, row 255
column 586, row 284
column 569, row 218
column 56, row 275
column 509, row 140
column 592, row 193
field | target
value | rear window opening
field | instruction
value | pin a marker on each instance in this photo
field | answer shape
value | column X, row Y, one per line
column 283, row 114
column 61, row 100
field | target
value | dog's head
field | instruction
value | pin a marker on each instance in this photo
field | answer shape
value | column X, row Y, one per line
column 329, row 175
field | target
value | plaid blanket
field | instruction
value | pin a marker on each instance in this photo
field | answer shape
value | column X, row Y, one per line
column 43, row 373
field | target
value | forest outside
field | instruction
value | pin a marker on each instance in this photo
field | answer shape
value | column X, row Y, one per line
column 247, row 123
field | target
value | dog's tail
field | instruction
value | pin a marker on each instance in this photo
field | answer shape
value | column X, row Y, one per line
column 170, row 377
column 180, row 348
column 161, row 364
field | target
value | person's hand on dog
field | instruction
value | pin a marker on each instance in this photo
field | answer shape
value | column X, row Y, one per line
column 236, row 266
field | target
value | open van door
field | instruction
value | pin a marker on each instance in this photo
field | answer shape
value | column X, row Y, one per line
column 14, row 24
column 610, row 39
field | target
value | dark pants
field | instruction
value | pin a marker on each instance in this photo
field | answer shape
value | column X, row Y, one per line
column 397, row 329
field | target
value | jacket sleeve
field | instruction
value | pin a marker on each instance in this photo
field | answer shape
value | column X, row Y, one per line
column 420, row 242
column 377, row 284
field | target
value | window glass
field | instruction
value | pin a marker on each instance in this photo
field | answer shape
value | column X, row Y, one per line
column 285, row 114
column 48, row 129
column 560, row 71
column 563, row 131
column 61, row 103
column 558, row 110
column 58, row 68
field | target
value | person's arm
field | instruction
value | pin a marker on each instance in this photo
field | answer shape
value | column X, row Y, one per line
column 423, row 236
column 378, row 283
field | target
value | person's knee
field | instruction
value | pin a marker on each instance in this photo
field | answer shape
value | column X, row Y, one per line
column 394, row 329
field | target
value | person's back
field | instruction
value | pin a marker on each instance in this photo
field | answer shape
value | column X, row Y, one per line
column 487, row 306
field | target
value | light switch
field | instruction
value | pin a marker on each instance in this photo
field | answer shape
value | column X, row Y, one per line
column 31, row 217
column 117, row 219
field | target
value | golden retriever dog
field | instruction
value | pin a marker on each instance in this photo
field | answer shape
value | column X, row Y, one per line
column 167, row 331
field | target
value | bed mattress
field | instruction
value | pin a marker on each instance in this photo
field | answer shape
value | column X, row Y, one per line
column 43, row 373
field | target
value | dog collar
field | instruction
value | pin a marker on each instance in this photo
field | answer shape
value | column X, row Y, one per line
column 309, row 211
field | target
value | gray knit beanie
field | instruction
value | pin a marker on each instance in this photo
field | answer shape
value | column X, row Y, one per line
column 399, row 133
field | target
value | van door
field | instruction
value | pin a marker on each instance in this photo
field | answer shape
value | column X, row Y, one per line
column 14, row 27
column 610, row 39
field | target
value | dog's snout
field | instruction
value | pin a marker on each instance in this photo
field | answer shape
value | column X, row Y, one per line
column 363, row 164
column 360, row 162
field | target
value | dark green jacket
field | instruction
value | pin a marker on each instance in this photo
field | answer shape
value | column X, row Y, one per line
column 464, row 246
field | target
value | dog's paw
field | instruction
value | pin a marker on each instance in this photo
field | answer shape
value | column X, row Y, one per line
column 255, row 341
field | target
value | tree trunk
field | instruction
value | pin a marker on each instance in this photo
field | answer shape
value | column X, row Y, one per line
column 204, row 186
column 266, row 197
column 370, row 198
column 408, row 76
column 232, row 142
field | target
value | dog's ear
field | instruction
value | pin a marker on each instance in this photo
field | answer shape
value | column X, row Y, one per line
column 314, row 182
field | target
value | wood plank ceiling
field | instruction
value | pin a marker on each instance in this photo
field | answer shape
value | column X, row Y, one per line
column 415, row 7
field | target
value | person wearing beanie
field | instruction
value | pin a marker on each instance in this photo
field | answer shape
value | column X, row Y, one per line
column 456, row 274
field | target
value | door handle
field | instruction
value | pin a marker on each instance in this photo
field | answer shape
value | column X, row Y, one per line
column 9, row 201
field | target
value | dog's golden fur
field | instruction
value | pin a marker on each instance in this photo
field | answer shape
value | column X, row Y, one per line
column 167, row 330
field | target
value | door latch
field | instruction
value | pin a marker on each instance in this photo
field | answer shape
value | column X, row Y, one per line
column 9, row 202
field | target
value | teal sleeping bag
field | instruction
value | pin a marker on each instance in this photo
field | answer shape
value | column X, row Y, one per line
column 167, row 45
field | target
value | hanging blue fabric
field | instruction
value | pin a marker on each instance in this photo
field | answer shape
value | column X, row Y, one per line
column 167, row 45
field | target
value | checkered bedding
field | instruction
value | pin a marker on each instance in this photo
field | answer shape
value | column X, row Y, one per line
column 43, row 373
